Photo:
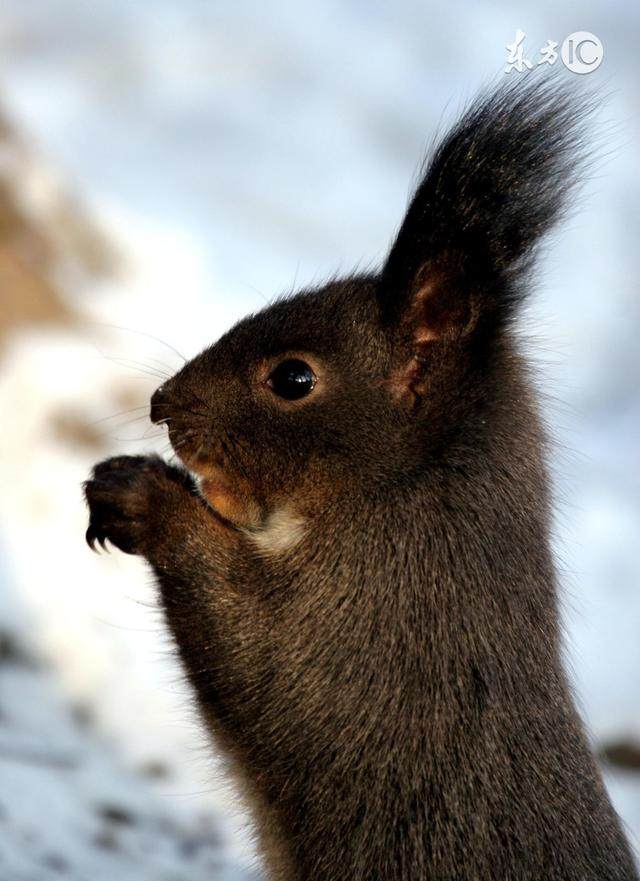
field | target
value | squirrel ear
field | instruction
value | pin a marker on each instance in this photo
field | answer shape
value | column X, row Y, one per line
column 439, row 306
column 492, row 188
column 438, row 309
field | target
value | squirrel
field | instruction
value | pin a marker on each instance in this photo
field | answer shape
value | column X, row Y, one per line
column 353, row 553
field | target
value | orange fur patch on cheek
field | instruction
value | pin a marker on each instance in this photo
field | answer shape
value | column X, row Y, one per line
column 226, row 499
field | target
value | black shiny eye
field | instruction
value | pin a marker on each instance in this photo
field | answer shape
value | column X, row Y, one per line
column 292, row 380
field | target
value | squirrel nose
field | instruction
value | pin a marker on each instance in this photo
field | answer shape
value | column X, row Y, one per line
column 160, row 401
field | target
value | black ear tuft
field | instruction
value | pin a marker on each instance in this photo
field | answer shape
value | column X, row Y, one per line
column 492, row 188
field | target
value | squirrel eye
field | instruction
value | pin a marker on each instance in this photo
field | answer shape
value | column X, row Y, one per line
column 292, row 379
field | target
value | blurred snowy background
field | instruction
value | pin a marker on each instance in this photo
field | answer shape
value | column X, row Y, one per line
column 165, row 167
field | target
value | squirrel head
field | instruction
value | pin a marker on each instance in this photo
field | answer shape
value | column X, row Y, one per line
column 360, row 385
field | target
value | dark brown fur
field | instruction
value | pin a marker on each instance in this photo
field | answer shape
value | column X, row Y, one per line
column 388, row 682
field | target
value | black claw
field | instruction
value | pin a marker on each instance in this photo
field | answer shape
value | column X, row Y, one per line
column 91, row 538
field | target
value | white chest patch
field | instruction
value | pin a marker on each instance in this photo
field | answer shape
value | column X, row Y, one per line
column 282, row 530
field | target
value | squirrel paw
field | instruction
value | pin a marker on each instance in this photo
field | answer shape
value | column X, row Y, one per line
column 124, row 495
